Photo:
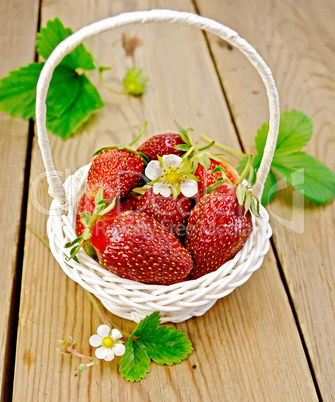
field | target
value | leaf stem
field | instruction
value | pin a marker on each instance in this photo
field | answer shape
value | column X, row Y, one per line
column 139, row 134
column 38, row 235
column 104, row 318
column 224, row 147
column 188, row 152
column 191, row 141
column 246, row 169
column 109, row 88
column 74, row 352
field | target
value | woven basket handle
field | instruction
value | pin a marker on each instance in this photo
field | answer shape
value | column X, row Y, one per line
column 56, row 188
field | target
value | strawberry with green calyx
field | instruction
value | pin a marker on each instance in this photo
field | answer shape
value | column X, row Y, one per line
column 219, row 225
column 162, row 144
column 170, row 212
column 209, row 168
column 205, row 163
column 134, row 246
column 88, row 213
column 116, row 169
column 87, row 205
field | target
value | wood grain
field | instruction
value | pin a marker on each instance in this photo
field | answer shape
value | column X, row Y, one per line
column 295, row 38
column 247, row 346
column 17, row 30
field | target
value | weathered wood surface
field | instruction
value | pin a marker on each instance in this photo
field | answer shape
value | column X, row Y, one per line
column 295, row 39
column 17, row 30
column 247, row 347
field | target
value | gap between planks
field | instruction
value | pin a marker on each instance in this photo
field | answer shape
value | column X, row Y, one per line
column 280, row 269
column 10, row 349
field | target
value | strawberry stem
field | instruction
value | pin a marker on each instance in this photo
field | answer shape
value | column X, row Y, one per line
column 246, row 170
column 139, row 134
column 188, row 153
column 108, row 87
column 190, row 140
column 224, row 147
column 206, row 146
column 74, row 352
column 104, row 318
column 38, row 235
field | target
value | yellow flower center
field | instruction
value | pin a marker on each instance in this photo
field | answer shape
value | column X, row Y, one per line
column 173, row 177
column 108, row 342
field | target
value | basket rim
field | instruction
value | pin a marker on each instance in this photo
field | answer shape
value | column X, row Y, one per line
column 68, row 227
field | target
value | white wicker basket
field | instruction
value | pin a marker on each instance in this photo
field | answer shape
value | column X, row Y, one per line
column 123, row 297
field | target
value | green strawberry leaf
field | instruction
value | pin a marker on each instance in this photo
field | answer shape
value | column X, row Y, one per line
column 18, row 91
column 166, row 345
column 65, row 88
column 147, row 325
column 312, row 178
column 54, row 33
column 71, row 97
column 295, row 130
column 308, row 175
column 270, row 188
column 135, row 363
column 182, row 147
column 87, row 102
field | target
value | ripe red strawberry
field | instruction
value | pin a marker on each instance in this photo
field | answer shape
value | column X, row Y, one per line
column 207, row 178
column 115, row 170
column 129, row 203
column 169, row 212
column 161, row 144
column 86, row 204
column 217, row 229
column 135, row 246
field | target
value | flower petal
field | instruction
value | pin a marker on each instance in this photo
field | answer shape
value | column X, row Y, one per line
column 103, row 330
column 189, row 188
column 95, row 340
column 154, row 170
column 110, row 355
column 101, row 353
column 162, row 188
column 116, row 334
column 119, row 349
column 172, row 160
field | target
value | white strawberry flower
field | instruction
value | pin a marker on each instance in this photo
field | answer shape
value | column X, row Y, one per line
column 171, row 174
column 107, row 342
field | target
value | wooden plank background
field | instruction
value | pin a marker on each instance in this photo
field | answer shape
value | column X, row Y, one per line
column 295, row 38
column 17, row 29
column 248, row 346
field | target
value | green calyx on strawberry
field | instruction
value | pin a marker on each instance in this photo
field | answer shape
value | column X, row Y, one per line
column 115, row 169
column 220, row 224
column 128, row 146
column 207, row 167
column 243, row 190
column 88, row 219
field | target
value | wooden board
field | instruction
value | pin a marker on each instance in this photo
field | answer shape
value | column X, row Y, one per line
column 247, row 346
column 294, row 38
column 17, row 30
